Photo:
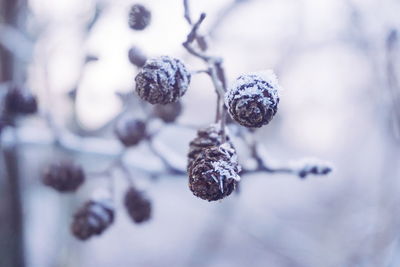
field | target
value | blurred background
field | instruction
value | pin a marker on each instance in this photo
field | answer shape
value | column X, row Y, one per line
column 338, row 62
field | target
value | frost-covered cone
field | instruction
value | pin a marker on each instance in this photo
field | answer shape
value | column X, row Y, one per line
column 169, row 112
column 162, row 80
column 130, row 131
column 92, row 218
column 208, row 137
column 214, row 174
column 139, row 17
column 19, row 101
column 137, row 205
column 137, row 57
column 253, row 99
column 64, row 176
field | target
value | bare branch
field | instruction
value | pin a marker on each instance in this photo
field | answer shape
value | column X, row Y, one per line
column 187, row 11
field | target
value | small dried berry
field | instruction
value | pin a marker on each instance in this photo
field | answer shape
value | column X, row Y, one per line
column 130, row 131
column 162, row 80
column 19, row 101
column 253, row 99
column 137, row 57
column 208, row 137
column 169, row 112
column 214, row 174
column 137, row 205
column 92, row 219
column 64, row 176
column 139, row 17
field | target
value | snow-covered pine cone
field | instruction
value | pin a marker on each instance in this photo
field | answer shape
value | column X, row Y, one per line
column 139, row 17
column 214, row 174
column 137, row 205
column 19, row 101
column 169, row 112
column 162, row 80
column 130, row 131
column 207, row 137
column 64, row 176
column 253, row 99
column 92, row 218
column 137, row 57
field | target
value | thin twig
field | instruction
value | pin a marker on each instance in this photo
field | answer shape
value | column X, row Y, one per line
column 187, row 11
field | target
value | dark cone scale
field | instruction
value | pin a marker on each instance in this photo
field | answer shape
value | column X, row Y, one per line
column 19, row 101
column 139, row 17
column 64, row 176
column 253, row 99
column 130, row 131
column 206, row 138
column 92, row 219
column 162, row 80
column 137, row 205
column 169, row 112
column 214, row 174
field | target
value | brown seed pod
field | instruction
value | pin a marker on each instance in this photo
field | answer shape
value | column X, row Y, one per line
column 130, row 131
column 253, row 99
column 162, row 80
column 92, row 219
column 214, row 174
column 139, row 17
column 169, row 112
column 137, row 205
column 64, row 176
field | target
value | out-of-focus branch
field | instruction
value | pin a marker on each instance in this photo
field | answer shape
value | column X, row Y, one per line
column 16, row 42
column 392, row 52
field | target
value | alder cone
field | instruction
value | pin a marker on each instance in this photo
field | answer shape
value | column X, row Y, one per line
column 92, row 219
column 19, row 101
column 253, row 99
column 137, row 57
column 139, row 17
column 162, row 80
column 137, row 205
column 169, row 112
column 130, row 131
column 210, row 136
column 64, row 176
column 214, row 174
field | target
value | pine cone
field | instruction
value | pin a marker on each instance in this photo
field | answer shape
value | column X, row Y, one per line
column 169, row 112
column 139, row 17
column 253, row 100
column 64, row 176
column 137, row 57
column 208, row 137
column 92, row 219
column 18, row 101
column 214, row 173
column 162, row 80
column 130, row 131
column 137, row 205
